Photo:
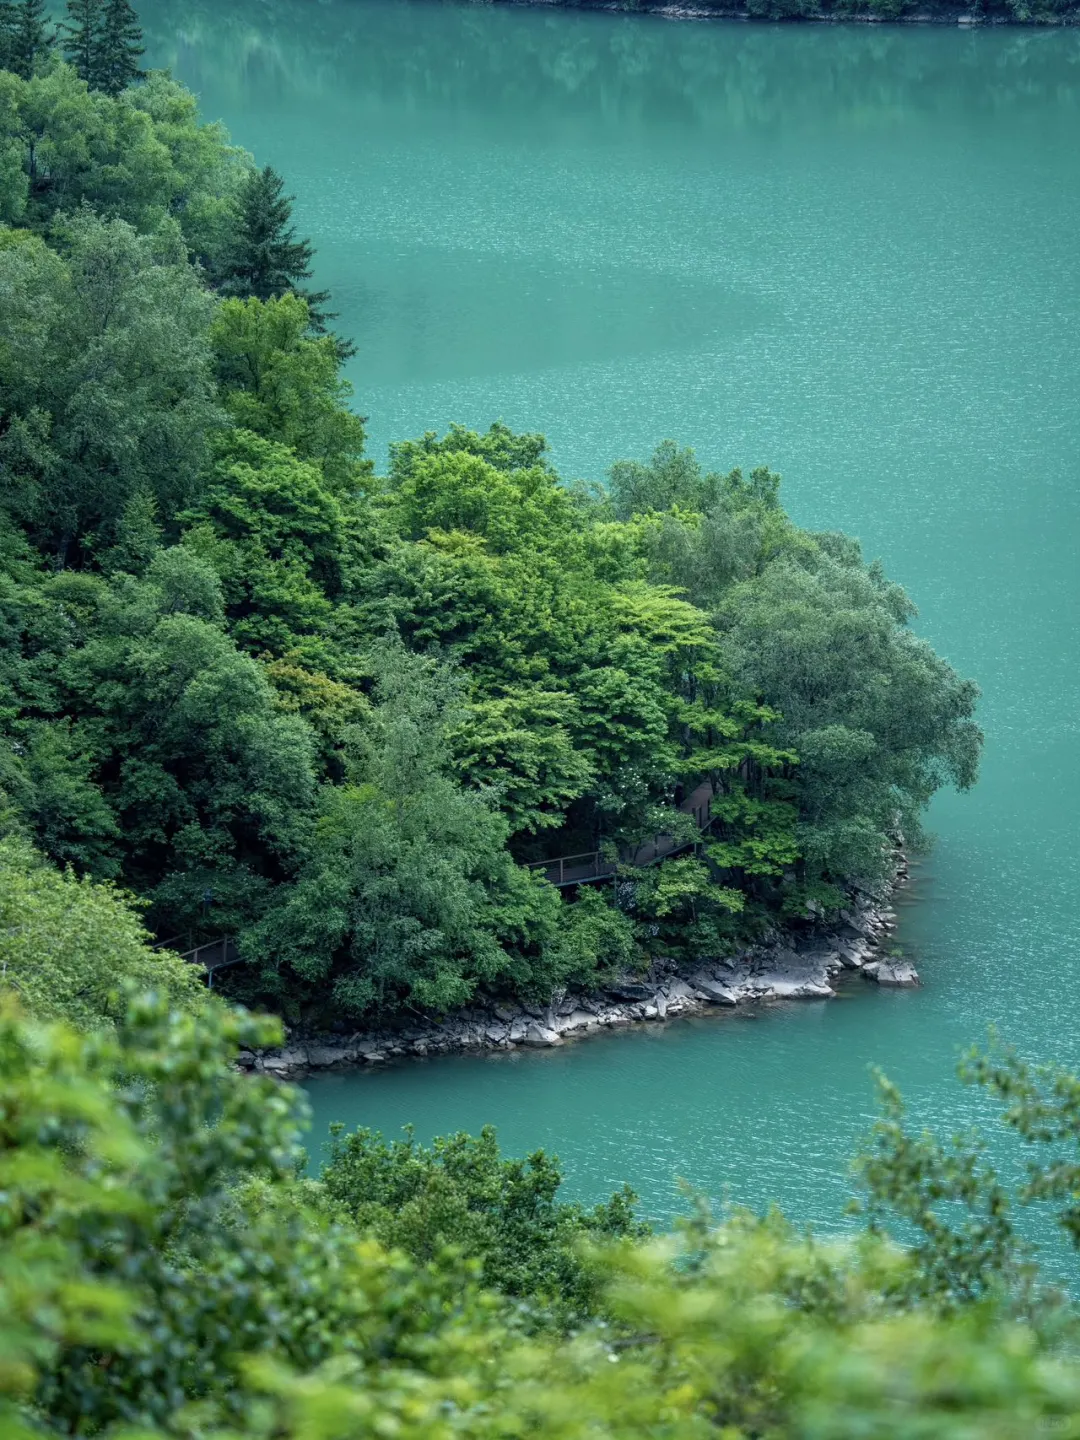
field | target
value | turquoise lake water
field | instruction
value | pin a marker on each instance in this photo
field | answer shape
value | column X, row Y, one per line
column 850, row 253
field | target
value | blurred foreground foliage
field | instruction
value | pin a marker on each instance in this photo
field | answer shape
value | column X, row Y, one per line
column 164, row 1272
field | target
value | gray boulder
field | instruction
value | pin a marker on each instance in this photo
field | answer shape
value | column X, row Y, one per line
column 539, row 1035
column 327, row 1056
column 631, row 990
column 852, row 953
column 892, row 972
column 285, row 1061
column 714, row 992
column 577, row 1020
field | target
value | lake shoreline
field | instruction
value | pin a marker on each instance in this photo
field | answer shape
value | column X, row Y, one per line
column 797, row 962
column 958, row 16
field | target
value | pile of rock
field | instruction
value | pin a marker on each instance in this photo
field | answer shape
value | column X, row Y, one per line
column 801, row 964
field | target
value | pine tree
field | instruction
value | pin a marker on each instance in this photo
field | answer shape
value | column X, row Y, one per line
column 30, row 39
column 7, row 35
column 266, row 259
column 119, row 47
column 82, row 39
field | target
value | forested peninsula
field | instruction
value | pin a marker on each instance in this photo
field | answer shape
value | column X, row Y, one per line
column 338, row 719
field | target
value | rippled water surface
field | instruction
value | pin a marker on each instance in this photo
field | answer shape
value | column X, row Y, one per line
column 850, row 253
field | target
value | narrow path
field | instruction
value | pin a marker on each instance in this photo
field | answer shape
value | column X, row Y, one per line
column 563, row 870
column 583, row 869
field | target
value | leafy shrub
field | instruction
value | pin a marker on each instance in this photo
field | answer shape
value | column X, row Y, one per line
column 503, row 1213
column 69, row 947
column 163, row 1272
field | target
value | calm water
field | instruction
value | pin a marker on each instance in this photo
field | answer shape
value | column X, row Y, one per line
column 850, row 253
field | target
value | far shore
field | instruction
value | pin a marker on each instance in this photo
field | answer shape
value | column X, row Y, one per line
column 962, row 17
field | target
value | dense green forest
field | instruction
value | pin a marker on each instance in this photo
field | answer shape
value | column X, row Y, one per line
column 337, row 715
column 250, row 687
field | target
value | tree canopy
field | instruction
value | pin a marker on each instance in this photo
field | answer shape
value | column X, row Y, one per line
column 336, row 716
column 70, row 948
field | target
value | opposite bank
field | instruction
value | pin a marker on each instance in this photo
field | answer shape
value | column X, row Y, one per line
column 872, row 12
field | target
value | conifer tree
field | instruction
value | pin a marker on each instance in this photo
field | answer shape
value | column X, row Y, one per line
column 103, row 41
column 266, row 260
column 82, row 39
column 7, row 35
column 119, row 47
column 24, row 35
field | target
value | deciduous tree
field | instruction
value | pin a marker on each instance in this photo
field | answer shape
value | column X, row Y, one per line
column 503, row 1213
column 108, row 385
column 407, row 893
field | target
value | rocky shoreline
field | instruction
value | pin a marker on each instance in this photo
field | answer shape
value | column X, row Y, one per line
column 800, row 963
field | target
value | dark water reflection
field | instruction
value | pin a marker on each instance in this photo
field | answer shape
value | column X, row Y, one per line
column 552, row 71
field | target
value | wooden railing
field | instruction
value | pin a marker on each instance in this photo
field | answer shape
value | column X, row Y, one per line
column 576, row 869
column 594, row 865
column 214, row 955
column 211, row 954
column 563, row 870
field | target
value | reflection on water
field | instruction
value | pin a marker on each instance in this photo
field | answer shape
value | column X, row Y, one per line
column 433, row 315
column 550, row 73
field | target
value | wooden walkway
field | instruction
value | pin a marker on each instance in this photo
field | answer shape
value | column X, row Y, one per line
column 593, row 865
column 563, row 870
column 212, row 955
